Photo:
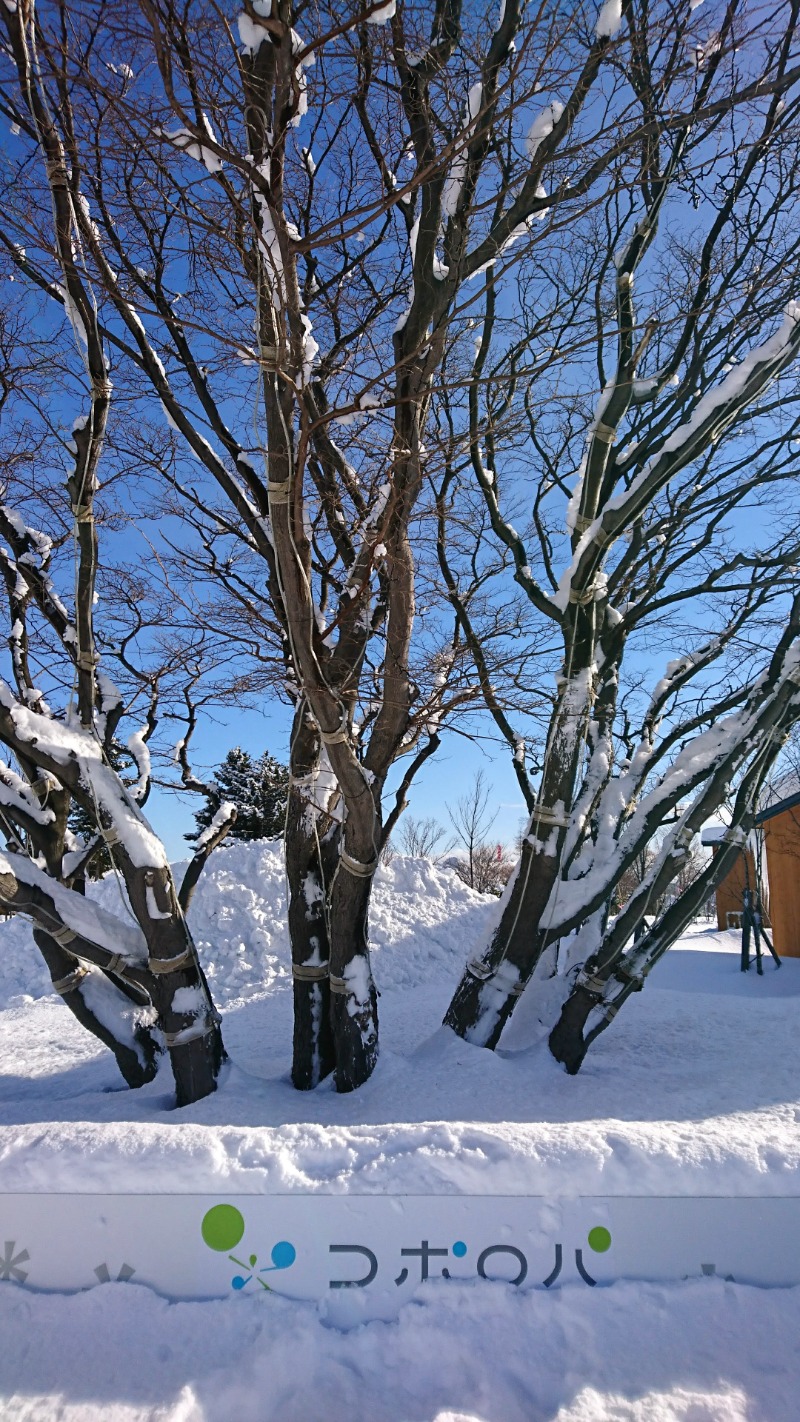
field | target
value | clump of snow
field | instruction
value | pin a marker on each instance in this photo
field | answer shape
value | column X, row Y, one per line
column 609, row 21
column 543, row 126
column 251, row 34
column 383, row 13
column 185, row 141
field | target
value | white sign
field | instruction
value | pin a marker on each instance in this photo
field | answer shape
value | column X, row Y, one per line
column 363, row 1255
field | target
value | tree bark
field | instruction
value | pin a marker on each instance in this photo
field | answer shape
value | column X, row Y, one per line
column 489, row 988
column 191, row 1033
column 354, row 999
column 138, row 1063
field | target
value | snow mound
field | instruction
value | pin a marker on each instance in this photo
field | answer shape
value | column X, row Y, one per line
column 423, row 922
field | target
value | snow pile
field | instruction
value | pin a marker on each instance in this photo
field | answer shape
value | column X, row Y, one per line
column 697, row 1352
column 422, row 922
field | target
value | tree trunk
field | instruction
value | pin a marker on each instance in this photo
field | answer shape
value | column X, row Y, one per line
column 309, row 871
column 354, row 999
column 490, row 988
column 190, row 1024
column 135, row 1049
column 566, row 1040
column 311, row 851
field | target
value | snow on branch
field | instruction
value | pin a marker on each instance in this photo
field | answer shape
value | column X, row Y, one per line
column 66, row 746
column 51, row 905
column 718, row 750
column 17, row 797
column 187, row 142
column 222, row 822
column 713, row 414
column 139, row 749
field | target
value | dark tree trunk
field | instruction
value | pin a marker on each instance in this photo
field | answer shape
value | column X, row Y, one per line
column 354, row 1000
column 138, row 1063
column 191, row 1033
column 313, row 1052
column 311, row 853
column 490, row 987
column 566, row 1040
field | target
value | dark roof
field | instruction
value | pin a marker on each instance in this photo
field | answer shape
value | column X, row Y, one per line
column 792, row 802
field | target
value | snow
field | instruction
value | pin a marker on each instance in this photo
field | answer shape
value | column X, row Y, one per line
column 439, row 1114
column 251, row 34
column 226, row 812
column 65, row 742
column 704, row 1351
column 184, row 140
column 542, row 126
column 692, row 1091
column 383, row 13
column 458, row 168
column 87, row 919
column 139, row 749
column 609, row 21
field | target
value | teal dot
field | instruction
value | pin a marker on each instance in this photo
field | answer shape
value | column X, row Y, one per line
column 459, row 1249
column 599, row 1239
column 222, row 1227
column 283, row 1254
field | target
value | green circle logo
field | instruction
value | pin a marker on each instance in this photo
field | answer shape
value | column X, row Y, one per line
column 599, row 1239
column 222, row 1227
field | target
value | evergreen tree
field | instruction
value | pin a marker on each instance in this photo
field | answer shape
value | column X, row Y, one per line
column 259, row 790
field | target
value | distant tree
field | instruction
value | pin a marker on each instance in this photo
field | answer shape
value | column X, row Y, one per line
column 484, row 867
column 487, row 871
column 258, row 788
column 422, row 838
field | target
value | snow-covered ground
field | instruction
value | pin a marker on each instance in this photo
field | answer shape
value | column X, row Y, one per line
column 693, row 1090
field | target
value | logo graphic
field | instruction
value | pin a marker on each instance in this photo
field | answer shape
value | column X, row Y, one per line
column 223, row 1229
column 598, row 1239
column 10, row 1262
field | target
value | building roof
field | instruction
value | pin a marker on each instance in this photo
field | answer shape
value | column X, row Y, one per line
column 721, row 834
column 791, row 802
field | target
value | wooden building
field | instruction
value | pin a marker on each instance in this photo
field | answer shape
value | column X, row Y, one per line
column 781, row 827
column 728, row 896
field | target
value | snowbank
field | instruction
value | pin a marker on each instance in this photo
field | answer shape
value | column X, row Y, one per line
column 695, row 1352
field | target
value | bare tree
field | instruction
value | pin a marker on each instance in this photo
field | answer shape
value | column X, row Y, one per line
column 423, row 838
column 681, row 296
column 134, row 982
column 485, row 867
column 323, row 200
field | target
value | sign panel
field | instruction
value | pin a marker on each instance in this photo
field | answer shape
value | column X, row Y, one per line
column 363, row 1255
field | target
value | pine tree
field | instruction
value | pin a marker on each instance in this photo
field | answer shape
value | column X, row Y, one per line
column 258, row 789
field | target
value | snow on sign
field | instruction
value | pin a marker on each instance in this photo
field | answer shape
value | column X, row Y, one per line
column 362, row 1255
